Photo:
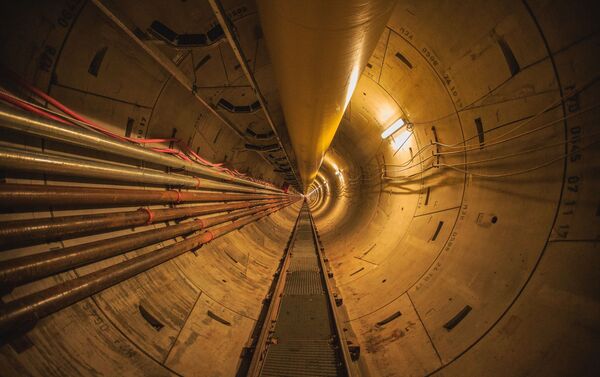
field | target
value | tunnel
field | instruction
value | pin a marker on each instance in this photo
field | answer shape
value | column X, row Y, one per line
column 299, row 188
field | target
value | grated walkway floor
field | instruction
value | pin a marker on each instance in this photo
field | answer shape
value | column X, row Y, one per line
column 304, row 327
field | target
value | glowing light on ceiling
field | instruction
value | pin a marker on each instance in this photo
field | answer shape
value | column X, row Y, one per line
column 393, row 128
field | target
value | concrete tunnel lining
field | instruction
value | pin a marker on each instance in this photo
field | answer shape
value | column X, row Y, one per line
column 423, row 246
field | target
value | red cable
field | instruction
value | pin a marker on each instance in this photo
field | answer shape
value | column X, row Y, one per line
column 24, row 105
column 81, row 118
column 194, row 154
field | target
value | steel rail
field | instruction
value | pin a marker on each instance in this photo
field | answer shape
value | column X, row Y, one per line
column 345, row 352
column 261, row 345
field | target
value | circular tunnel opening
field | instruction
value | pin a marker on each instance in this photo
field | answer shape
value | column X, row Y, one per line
column 463, row 242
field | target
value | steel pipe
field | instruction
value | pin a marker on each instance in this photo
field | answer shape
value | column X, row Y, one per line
column 22, row 121
column 15, row 159
column 19, row 197
column 17, row 271
column 25, row 311
column 318, row 50
column 35, row 231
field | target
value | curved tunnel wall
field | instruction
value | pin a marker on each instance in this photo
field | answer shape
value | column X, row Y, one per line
column 422, row 244
column 508, row 254
column 192, row 315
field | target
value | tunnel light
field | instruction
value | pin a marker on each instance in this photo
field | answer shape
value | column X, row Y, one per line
column 399, row 140
column 393, row 128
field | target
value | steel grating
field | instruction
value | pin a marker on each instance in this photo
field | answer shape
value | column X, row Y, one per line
column 303, row 283
column 303, row 317
column 301, row 358
column 302, row 340
column 301, row 262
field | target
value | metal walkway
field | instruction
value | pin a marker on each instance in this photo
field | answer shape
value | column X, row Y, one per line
column 303, row 340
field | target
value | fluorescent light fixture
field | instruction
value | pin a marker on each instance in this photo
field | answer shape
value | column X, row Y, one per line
column 399, row 140
column 393, row 128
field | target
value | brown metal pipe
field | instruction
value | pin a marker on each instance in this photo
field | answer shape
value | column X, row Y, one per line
column 19, row 197
column 35, row 231
column 20, row 313
column 17, row 271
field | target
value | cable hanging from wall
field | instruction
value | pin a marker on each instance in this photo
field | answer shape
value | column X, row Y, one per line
column 461, row 146
column 457, row 148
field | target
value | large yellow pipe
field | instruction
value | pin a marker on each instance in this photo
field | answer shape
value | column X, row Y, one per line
column 318, row 49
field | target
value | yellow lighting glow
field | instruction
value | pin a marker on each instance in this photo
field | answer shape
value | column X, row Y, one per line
column 393, row 128
column 340, row 176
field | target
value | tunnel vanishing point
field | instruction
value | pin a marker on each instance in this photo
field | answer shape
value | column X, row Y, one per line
column 300, row 188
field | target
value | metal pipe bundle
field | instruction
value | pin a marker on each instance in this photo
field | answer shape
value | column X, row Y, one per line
column 34, row 162
column 31, row 231
column 238, row 203
column 27, row 310
column 21, row 270
column 21, row 121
